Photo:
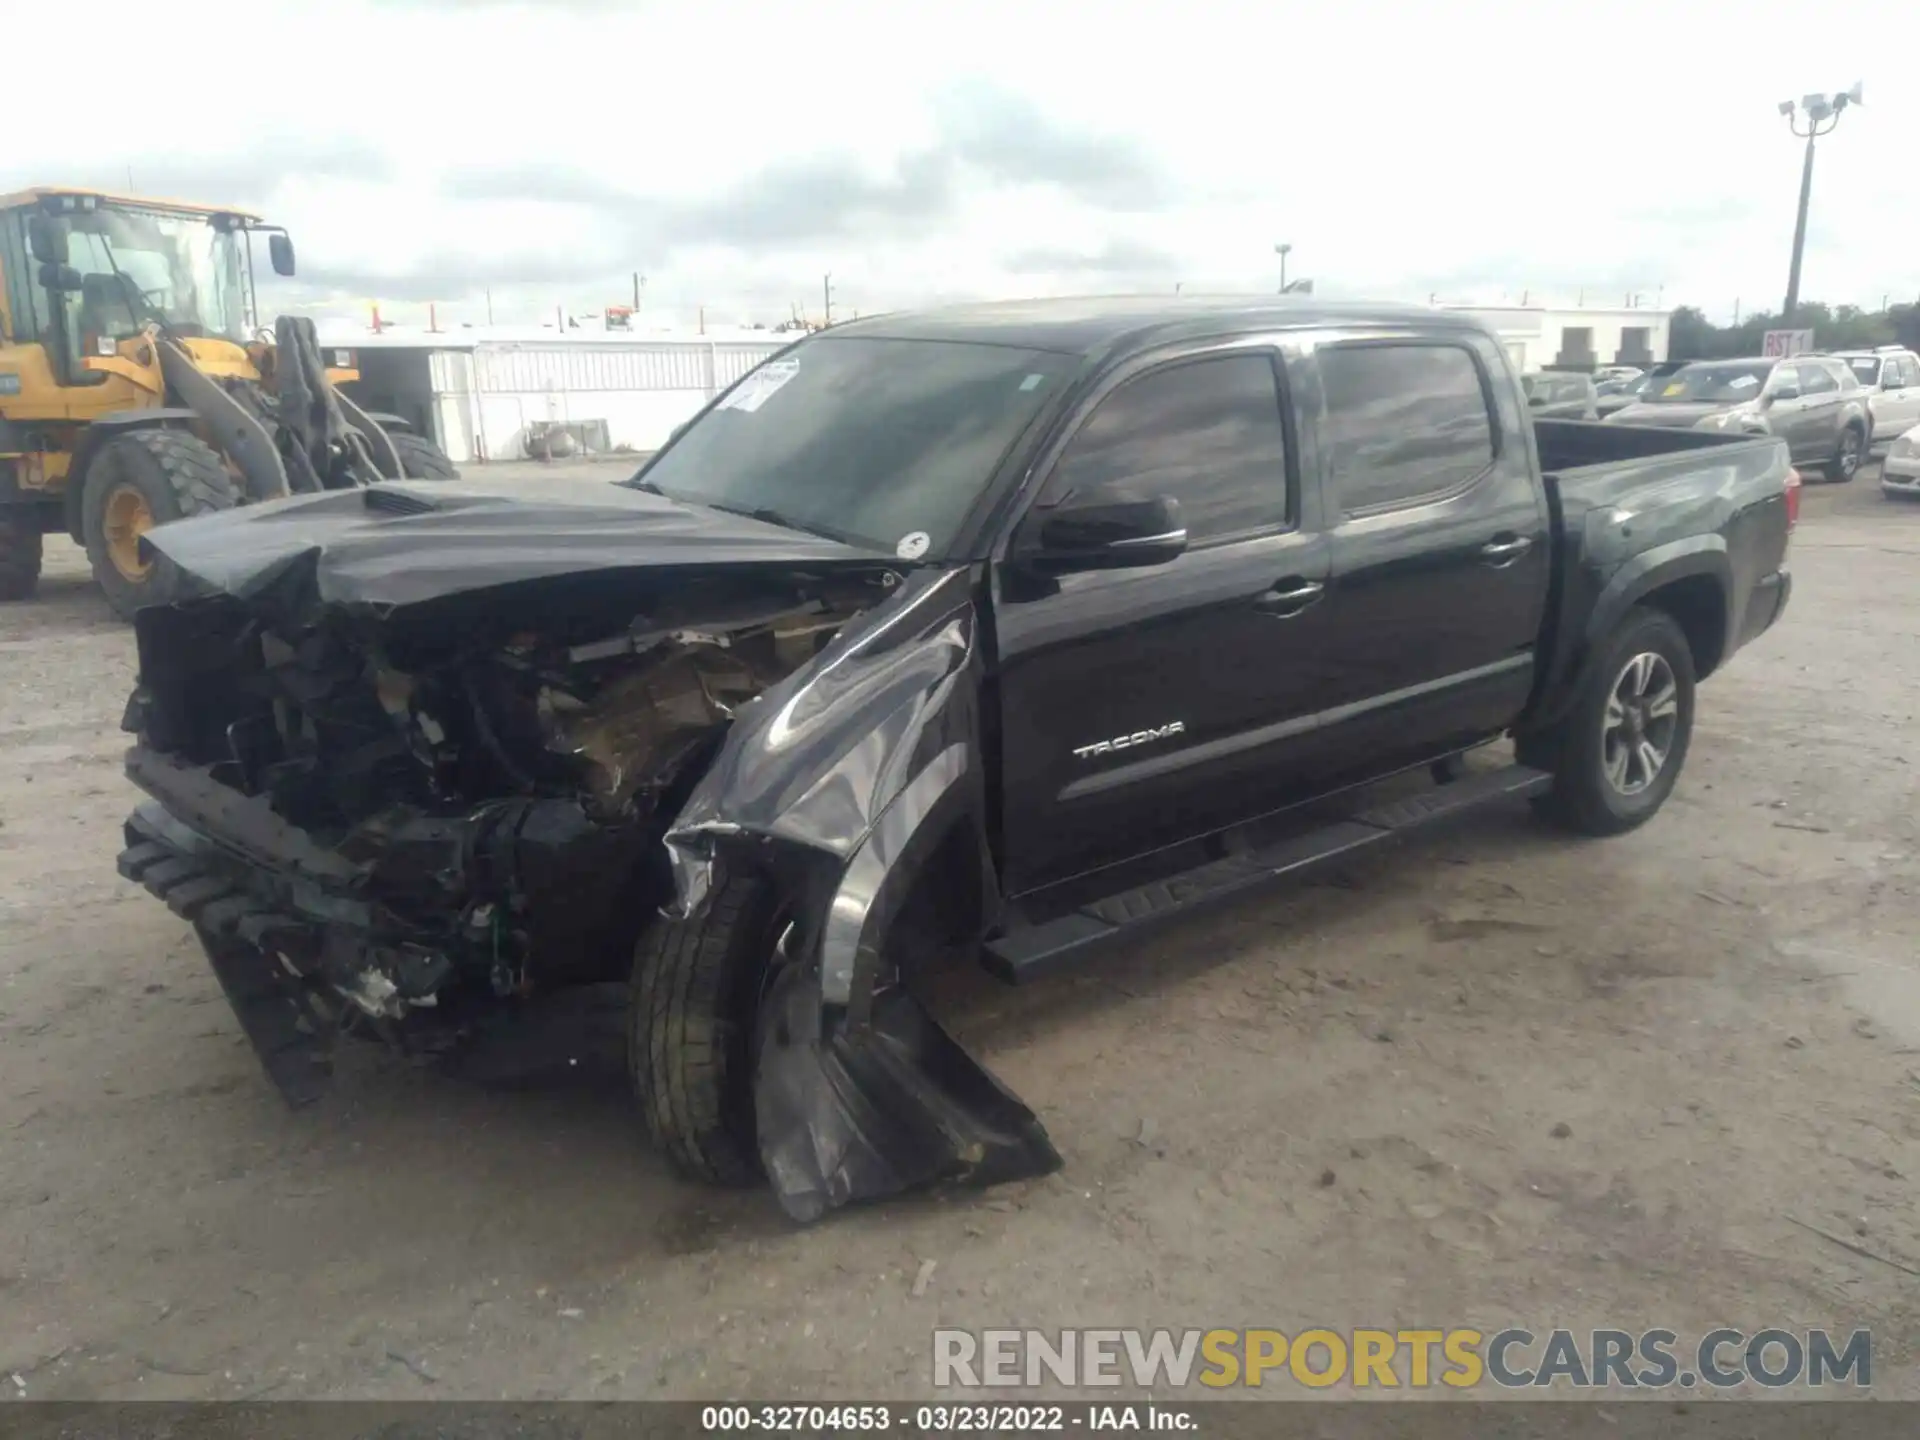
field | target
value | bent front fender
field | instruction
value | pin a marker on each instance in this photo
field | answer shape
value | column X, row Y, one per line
column 844, row 780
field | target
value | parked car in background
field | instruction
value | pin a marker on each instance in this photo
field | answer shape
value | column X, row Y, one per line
column 1616, row 373
column 1619, row 393
column 1813, row 402
column 1891, row 378
column 1900, row 471
column 1561, row 395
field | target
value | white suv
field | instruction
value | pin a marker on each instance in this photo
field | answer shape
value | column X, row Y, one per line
column 1891, row 377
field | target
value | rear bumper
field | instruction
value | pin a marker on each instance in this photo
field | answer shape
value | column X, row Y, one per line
column 1767, row 603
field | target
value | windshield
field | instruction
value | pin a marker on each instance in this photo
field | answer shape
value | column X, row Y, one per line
column 1866, row 368
column 884, row 443
column 1727, row 382
column 139, row 266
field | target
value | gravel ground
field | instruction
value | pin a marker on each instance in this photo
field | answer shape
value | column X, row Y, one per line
column 1495, row 1077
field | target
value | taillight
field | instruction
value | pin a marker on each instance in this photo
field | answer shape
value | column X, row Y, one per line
column 1793, row 498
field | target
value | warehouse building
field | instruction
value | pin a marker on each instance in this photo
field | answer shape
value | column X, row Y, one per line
column 502, row 394
column 1540, row 338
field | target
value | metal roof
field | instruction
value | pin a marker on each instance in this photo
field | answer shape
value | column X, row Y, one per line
column 33, row 194
column 1081, row 326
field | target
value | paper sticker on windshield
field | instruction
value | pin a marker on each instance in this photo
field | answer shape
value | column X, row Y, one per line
column 751, row 393
column 1743, row 382
column 1032, row 382
column 1675, row 388
column 913, row 545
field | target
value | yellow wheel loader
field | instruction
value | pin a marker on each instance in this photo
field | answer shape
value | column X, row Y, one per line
column 135, row 387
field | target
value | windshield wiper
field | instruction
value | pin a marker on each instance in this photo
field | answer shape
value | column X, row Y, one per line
column 768, row 516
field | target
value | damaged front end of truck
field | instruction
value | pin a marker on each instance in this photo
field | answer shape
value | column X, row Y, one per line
column 419, row 758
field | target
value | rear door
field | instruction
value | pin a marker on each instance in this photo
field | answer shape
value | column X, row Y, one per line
column 1440, row 541
column 1816, row 419
column 1202, row 667
column 1902, row 402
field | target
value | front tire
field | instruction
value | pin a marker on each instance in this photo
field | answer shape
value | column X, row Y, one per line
column 696, row 987
column 137, row 481
column 420, row 458
column 1851, row 449
column 21, row 550
column 1616, row 755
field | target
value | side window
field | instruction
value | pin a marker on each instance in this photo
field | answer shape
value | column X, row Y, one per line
column 1909, row 370
column 1207, row 433
column 1403, row 422
column 1817, row 380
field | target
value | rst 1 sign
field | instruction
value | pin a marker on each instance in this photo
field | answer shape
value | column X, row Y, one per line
column 1779, row 343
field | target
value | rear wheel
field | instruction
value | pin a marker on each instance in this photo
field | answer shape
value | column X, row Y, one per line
column 20, row 552
column 697, row 986
column 1616, row 754
column 1851, row 449
column 137, row 481
column 420, row 458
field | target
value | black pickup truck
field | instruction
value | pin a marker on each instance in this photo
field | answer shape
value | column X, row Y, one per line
column 994, row 632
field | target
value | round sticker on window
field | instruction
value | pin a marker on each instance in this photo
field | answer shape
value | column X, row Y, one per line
column 912, row 546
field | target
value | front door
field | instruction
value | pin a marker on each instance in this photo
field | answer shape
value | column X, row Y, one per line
column 1140, row 707
column 1813, row 421
column 1441, row 545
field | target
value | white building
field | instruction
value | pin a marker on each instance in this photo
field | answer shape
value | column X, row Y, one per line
column 1538, row 337
column 481, row 393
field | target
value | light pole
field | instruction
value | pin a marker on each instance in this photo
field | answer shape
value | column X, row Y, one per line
column 1821, row 113
column 1283, row 249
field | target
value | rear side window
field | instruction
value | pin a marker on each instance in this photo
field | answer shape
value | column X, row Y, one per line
column 1403, row 422
column 1207, row 433
column 1817, row 380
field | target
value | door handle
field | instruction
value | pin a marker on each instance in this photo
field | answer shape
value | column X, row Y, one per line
column 1290, row 596
column 1501, row 553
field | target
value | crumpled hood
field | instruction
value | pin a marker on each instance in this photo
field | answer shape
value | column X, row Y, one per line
column 399, row 544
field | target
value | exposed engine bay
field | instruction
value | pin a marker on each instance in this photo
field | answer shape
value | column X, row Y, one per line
column 479, row 804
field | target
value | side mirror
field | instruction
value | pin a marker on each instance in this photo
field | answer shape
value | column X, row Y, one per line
column 1893, row 382
column 280, row 252
column 47, row 240
column 1109, row 535
column 59, row 277
column 1784, row 392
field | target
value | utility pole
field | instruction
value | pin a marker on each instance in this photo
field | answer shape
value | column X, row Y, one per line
column 639, row 284
column 826, row 300
column 1821, row 113
column 1283, row 249
column 489, row 305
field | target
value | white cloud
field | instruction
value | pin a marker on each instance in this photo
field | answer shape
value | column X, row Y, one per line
column 733, row 152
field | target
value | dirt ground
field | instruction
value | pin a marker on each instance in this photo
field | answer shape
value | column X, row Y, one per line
column 1335, row 1105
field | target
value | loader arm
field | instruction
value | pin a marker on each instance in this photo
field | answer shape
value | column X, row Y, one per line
column 236, row 431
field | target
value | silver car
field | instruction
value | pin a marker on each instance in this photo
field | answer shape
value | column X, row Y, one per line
column 1813, row 402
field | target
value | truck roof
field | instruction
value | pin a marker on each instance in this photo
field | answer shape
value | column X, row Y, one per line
column 33, row 194
column 1085, row 325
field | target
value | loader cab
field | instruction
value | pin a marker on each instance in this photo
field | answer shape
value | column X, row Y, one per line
column 86, row 273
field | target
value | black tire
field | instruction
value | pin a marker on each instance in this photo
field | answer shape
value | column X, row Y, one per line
column 1585, row 798
column 696, row 987
column 420, row 458
column 1849, row 453
column 21, row 549
column 177, row 475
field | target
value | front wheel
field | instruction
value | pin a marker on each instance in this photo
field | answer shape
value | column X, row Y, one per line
column 137, row 481
column 697, row 986
column 1845, row 463
column 1616, row 754
column 420, row 458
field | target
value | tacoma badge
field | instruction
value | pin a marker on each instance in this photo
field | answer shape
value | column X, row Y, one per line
column 1127, row 742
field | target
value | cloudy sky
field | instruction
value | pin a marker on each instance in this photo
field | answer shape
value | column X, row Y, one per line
column 432, row 150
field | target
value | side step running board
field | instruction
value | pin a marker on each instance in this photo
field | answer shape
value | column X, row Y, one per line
column 1039, row 949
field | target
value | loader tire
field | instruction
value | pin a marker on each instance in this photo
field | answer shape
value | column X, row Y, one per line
column 137, row 481
column 696, row 986
column 20, row 551
column 420, row 458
